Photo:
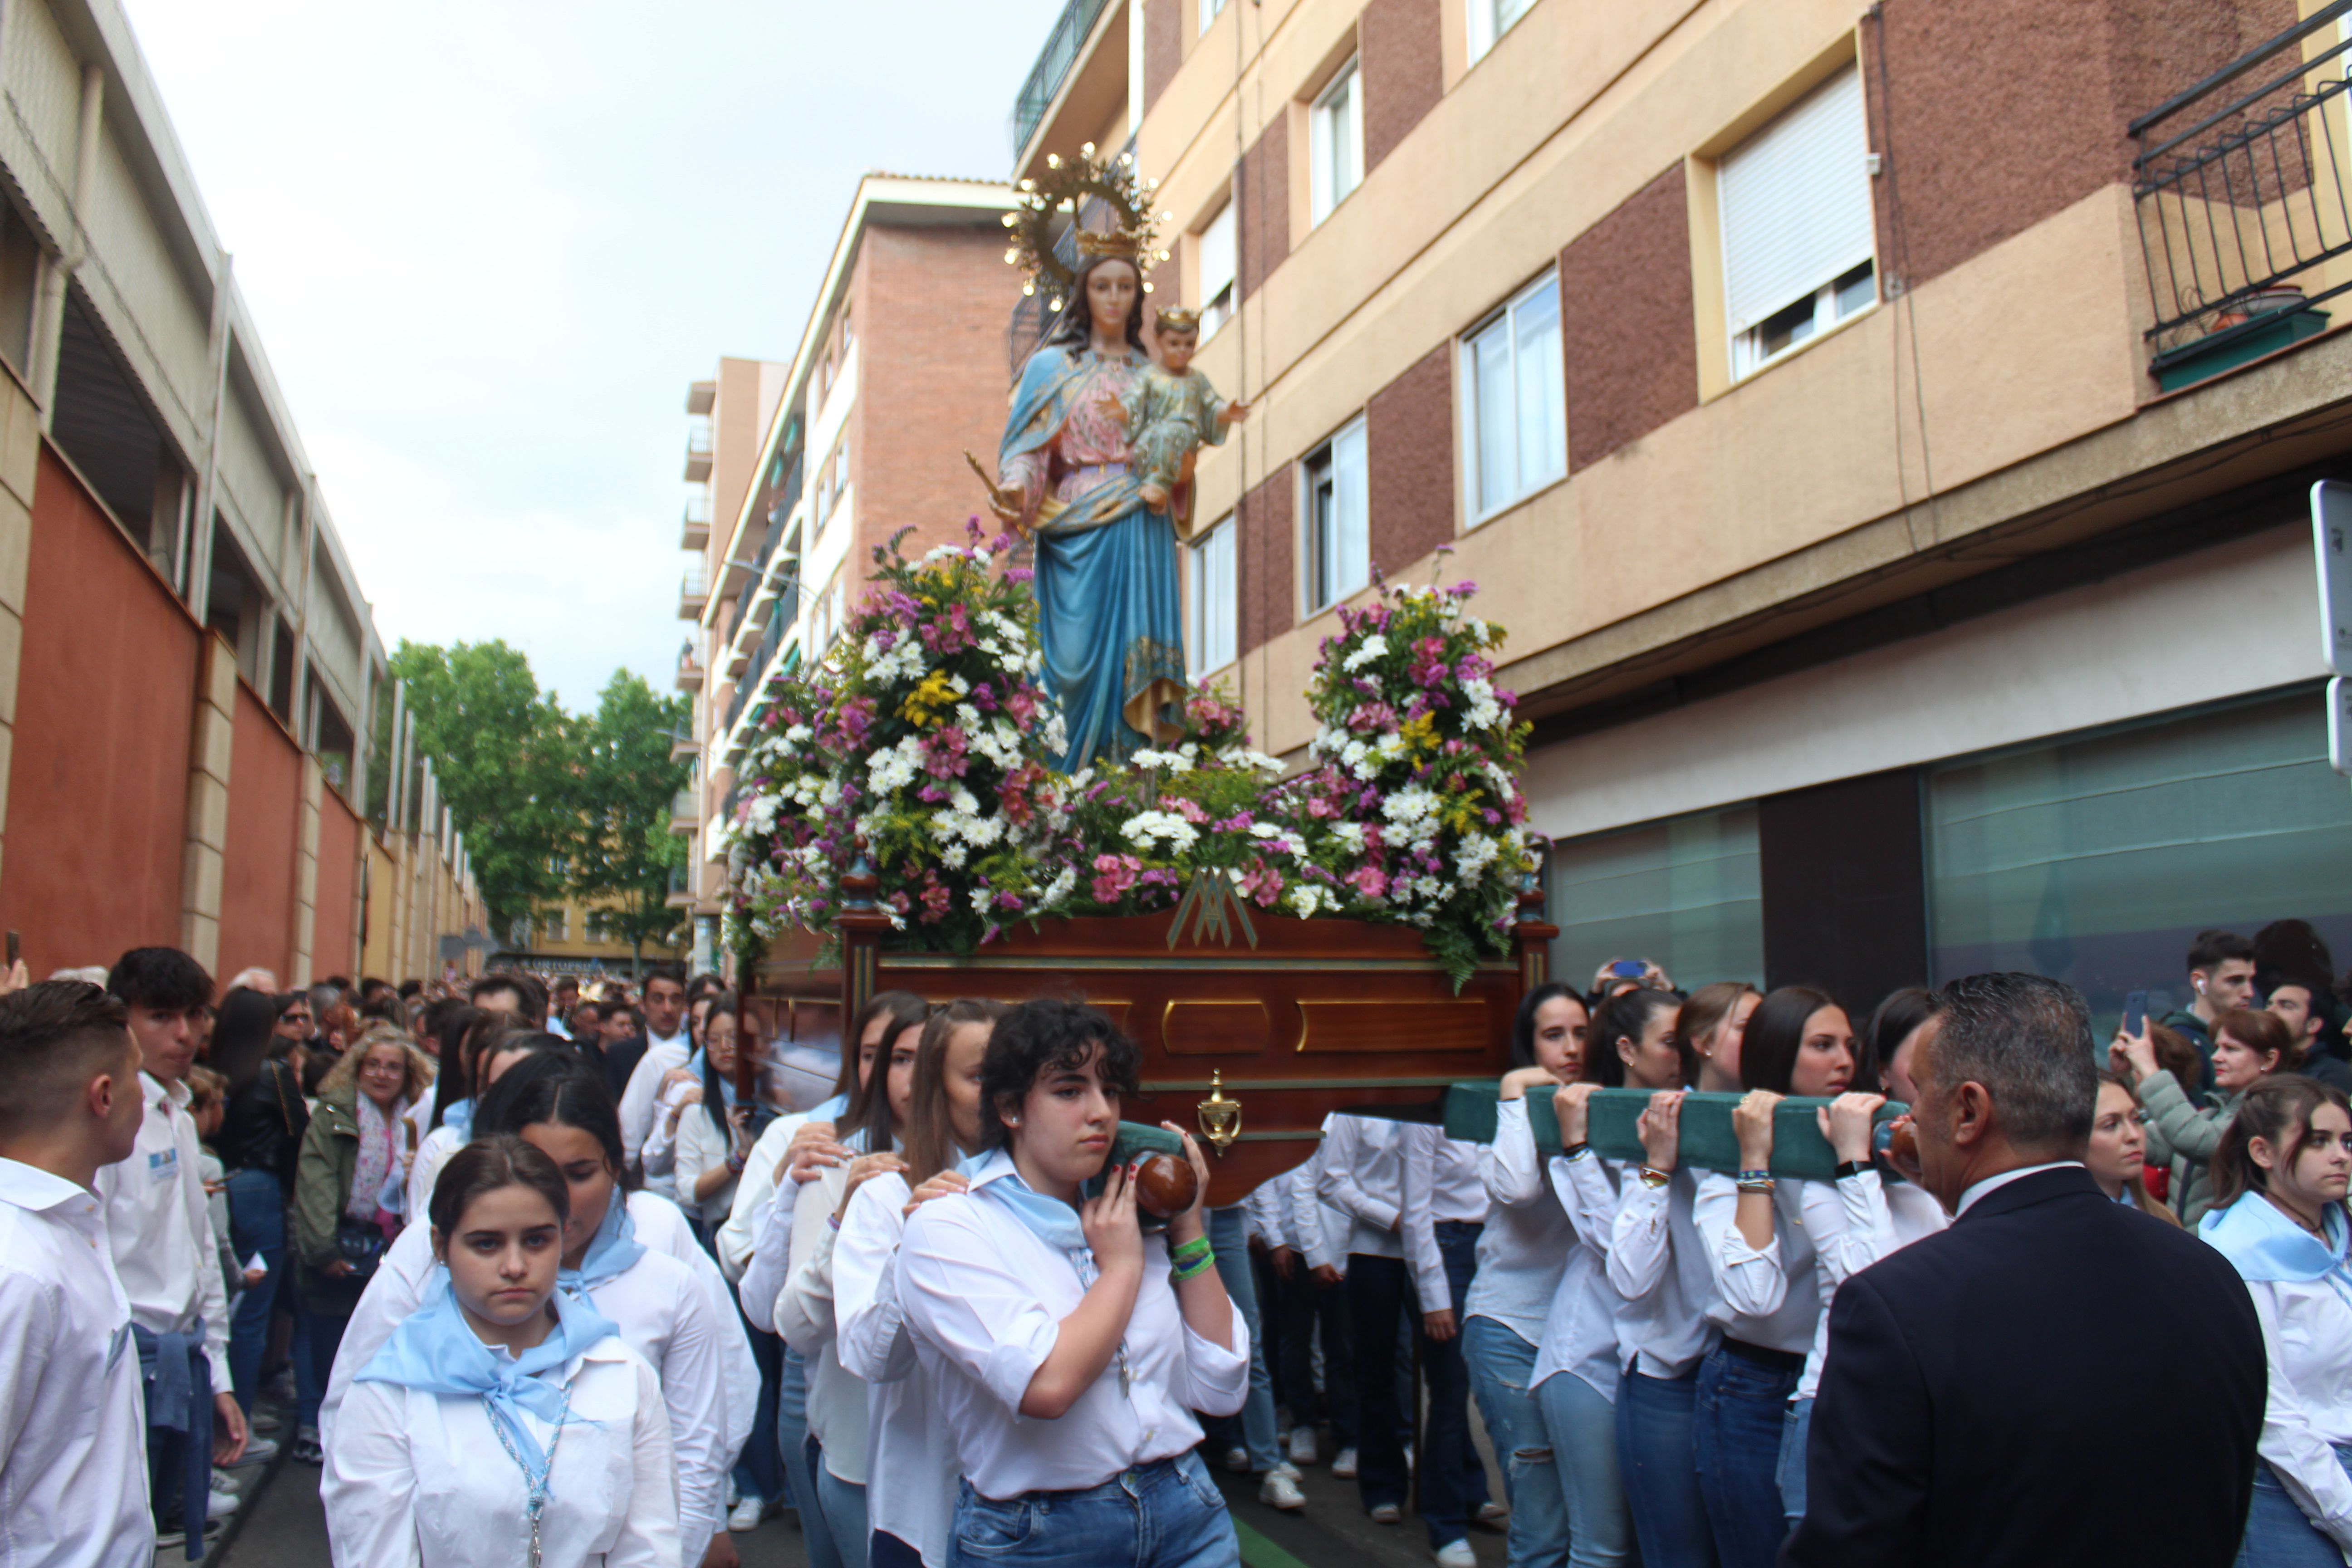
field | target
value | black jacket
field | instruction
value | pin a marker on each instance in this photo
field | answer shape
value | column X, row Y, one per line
column 1987, row 1397
column 621, row 1060
column 261, row 1129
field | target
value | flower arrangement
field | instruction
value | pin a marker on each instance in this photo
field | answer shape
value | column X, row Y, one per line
column 927, row 735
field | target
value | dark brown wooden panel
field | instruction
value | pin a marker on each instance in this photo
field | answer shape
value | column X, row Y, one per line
column 1217, row 1026
column 1456, row 1023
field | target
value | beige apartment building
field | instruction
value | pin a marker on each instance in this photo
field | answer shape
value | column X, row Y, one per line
column 900, row 369
column 1887, row 448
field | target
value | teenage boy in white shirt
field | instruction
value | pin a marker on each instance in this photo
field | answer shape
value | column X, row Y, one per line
column 159, row 1229
column 666, row 1047
column 73, row 1447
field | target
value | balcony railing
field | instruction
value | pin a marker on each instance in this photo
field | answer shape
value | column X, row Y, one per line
column 1067, row 36
column 693, row 591
column 697, row 455
column 2244, row 206
column 694, row 528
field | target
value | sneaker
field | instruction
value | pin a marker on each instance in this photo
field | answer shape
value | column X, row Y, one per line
column 1343, row 1465
column 257, row 1451
column 746, row 1514
column 180, row 1536
column 1494, row 1514
column 734, row 1493
column 1280, row 1490
column 1387, row 1513
column 1237, row 1461
column 306, row 1447
column 265, row 1419
column 222, row 1505
column 1457, row 1555
column 1302, row 1445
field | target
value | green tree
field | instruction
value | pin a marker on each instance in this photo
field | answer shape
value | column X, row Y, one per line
column 627, row 783
column 507, row 759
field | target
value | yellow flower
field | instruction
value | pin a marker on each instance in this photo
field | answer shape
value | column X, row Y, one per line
column 928, row 702
column 1421, row 734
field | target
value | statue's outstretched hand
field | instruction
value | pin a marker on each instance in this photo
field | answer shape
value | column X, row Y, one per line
column 1233, row 413
column 1154, row 497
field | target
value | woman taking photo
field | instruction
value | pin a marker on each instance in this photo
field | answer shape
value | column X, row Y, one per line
column 1639, row 1220
column 630, row 1256
column 1769, row 1305
column 1070, row 1350
column 2280, row 1172
column 2117, row 1157
column 2248, row 1046
column 713, row 1133
column 910, row 1500
column 503, row 1421
column 354, row 1153
column 1524, row 1247
column 260, row 1140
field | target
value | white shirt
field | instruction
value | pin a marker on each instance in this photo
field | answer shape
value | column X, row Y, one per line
column 161, row 1229
column 757, row 1185
column 1437, row 1179
column 1658, row 1263
column 659, row 1156
column 644, row 1084
column 2307, row 1342
column 1994, row 1184
column 1318, row 1230
column 912, row 1467
column 805, row 1315
column 73, row 1424
column 421, row 1480
column 702, row 1146
column 1527, row 1240
column 984, row 1298
column 425, row 1169
column 1264, row 1215
column 1357, row 1172
column 1585, row 1326
column 1753, row 1302
column 673, row 1310
column 1856, row 1221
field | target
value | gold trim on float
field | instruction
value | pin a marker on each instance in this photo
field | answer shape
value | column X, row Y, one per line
column 1175, row 1002
column 1221, row 962
column 1272, row 1085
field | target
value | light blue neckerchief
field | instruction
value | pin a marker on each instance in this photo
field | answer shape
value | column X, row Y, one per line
column 435, row 1351
column 993, row 1176
column 613, row 1252
column 2265, row 1245
column 459, row 1118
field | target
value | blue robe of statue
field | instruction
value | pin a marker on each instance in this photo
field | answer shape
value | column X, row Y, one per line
column 1109, row 614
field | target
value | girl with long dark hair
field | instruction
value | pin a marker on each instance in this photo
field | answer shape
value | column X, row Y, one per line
column 713, row 1131
column 259, row 1141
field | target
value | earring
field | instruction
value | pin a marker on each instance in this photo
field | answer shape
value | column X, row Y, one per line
column 1013, row 1122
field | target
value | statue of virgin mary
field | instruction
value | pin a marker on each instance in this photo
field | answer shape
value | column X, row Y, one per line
column 1110, row 615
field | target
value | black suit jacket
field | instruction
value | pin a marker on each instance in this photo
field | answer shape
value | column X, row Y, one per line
column 621, row 1060
column 2056, row 1379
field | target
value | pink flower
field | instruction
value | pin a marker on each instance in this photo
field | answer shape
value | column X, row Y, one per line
column 1114, row 875
column 1264, row 883
column 1190, row 810
column 945, row 753
column 1368, row 880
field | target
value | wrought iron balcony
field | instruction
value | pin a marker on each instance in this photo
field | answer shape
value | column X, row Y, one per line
column 2244, row 203
column 1063, row 42
column 693, row 591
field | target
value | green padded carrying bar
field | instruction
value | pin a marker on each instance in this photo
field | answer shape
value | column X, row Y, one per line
column 1799, row 1151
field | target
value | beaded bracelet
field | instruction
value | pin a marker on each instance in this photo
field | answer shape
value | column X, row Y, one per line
column 1196, row 1248
column 1194, row 1269
column 1755, row 1182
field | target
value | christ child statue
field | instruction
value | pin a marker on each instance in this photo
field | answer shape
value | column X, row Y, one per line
column 1176, row 411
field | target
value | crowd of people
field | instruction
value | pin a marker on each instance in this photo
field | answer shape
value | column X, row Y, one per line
column 545, row 1286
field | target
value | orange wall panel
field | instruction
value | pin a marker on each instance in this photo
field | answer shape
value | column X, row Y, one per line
column 265, row 826
column 98, row 781
column 339, row 849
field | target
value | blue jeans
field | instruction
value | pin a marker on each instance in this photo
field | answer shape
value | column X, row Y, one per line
column 317, row 1337
column 1582, row 1424
column 1796, row 1428
column 1743, row 1406
column 1453, row 1476
column 791, row 1439
column 2278, row 1533
column 1501, row 1365
column 842, row 1503
column 1166, row 1514
column 1654, row 1417
column 257, row 1223
column 759, row 1470
column 1229, row 1239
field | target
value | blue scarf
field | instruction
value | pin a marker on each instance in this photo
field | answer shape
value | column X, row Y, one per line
column 613, row 1252
column 459, row 1118
column 1052, row 1221
column 435, row 1351
column 2265, row 1245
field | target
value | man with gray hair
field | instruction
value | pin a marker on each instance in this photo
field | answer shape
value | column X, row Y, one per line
column 1986, row 1388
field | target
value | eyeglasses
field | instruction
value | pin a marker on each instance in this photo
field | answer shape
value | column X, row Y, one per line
column 295, row 1018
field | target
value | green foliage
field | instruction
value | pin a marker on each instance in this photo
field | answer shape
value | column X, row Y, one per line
column 627, row 781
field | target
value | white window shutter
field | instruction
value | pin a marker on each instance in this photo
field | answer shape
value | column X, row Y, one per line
column 1352, row 547
column 1218, row 255
column 1795, row 203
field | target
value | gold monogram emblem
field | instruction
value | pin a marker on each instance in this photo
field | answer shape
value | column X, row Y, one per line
column 1221, row 1119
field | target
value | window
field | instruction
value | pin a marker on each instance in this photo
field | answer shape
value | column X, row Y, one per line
column 1687, row 893
column 1337, row 533
column 1212, row 599
column 1210, row 11
column 1515, row 410
column 1220, row 258
column 1337, row 140
column 1490, row 19
column 2096, row 858
column 1798, row 246
column 557, row 925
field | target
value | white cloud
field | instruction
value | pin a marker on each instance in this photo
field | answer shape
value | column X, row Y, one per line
column 488, row 243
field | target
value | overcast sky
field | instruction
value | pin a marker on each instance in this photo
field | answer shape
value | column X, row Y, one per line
column 488, row 243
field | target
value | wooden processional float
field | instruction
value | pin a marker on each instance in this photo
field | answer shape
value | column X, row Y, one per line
column 1253, row 1029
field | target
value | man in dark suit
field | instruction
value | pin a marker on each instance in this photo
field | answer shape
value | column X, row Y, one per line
column 1987, row 1391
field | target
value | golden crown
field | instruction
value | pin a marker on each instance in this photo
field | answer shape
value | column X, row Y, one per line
column 1083, row 187
column 1178, row 319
